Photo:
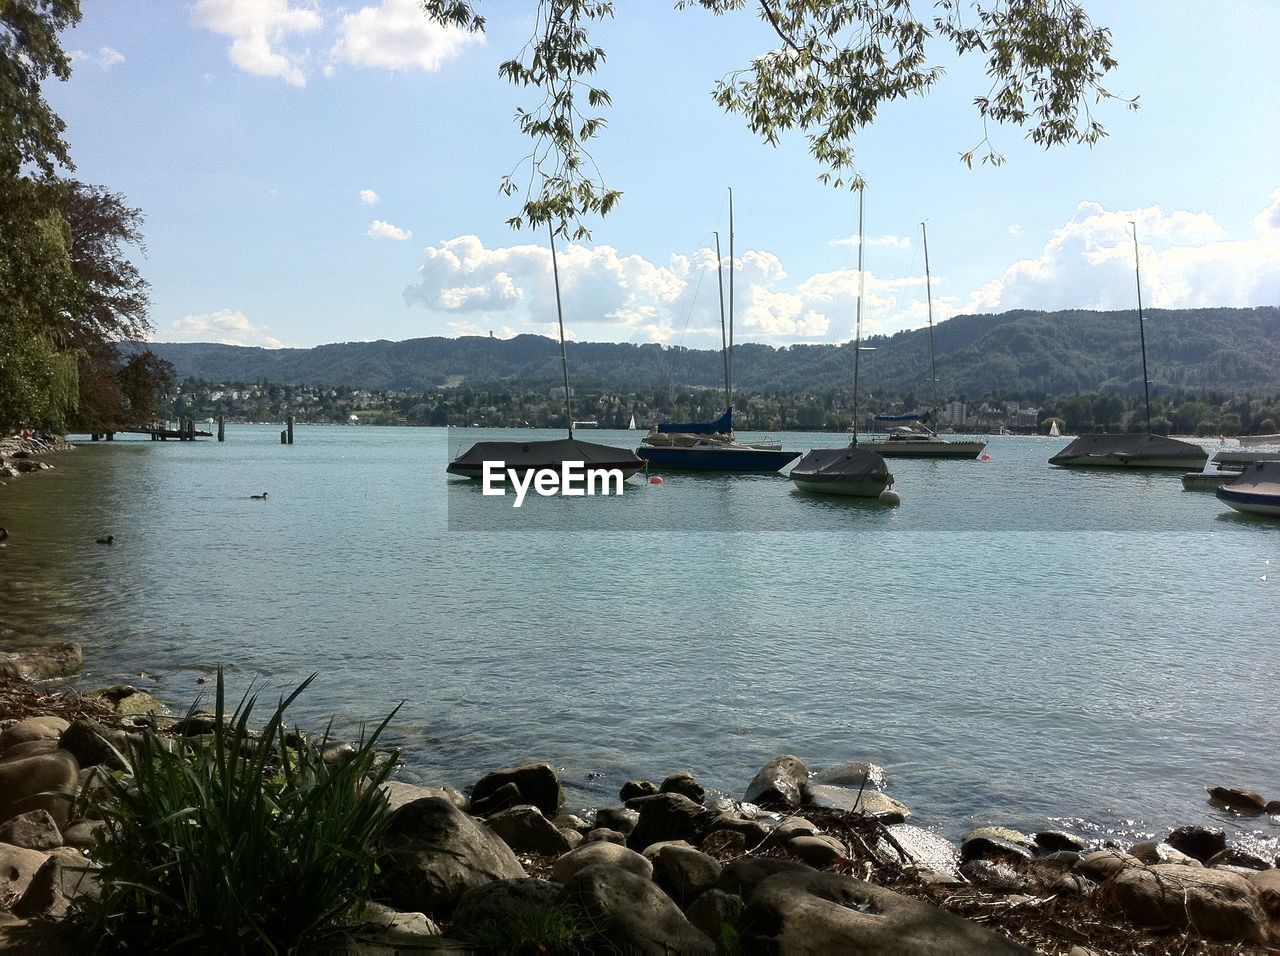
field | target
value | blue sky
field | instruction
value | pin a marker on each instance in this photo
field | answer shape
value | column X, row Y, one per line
column 316, row 172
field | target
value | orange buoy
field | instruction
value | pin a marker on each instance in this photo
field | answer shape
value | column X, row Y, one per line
column 986, row 457
column 655, row 480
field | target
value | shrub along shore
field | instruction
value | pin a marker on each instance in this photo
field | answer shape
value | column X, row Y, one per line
column 228, row 830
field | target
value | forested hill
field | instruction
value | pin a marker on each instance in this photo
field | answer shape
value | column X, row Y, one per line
column 1021, row 352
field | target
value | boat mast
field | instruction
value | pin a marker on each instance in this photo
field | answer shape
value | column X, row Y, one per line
column 724, row 339
column 928, row 294
column 1142, row 329
column 729, row 355
column 564, row 355
column 857, row 326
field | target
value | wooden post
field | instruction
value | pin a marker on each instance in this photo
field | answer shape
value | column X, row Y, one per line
column 290, row 429
column 93, row 436
column 284, row 436
column 222, row 433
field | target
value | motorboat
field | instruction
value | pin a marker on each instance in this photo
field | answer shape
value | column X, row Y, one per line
column 1256, row 491
column 919, row 441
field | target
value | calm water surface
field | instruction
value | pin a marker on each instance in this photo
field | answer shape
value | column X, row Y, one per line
column 1016, row 643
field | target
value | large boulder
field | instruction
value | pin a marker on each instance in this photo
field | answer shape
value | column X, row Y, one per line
column 1237, row 798
column 1198, row 842
column 632, row 914
column 435, row 853
column 62, row 659
column 820, row 913
column 741, row 877
column 398, row 793
column 502, row 903
column 779, row 783
column 33, row 830
column 712, row 912
column 597, row 853
column 17, row 867
column 684, row 873
column 684, row 783
column 616, row 818
column 1103, row 864
column 668, row 816
column 32, row 728
column 63, row 878
column 858, row 774
column 919, row 848
column 871, row 802
column 43, row 782
column 1214, row 903
column 538, row 783
column 526, row 830
column 637, row 788
column 95, row 745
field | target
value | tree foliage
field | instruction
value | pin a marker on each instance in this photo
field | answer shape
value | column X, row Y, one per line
column 837, row 62
column 30, row 132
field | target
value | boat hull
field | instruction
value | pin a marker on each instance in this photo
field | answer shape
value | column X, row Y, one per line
column 1124, row 461
column 1250, row 502
column 854, row 488
column 743, row 460
column 925, row 449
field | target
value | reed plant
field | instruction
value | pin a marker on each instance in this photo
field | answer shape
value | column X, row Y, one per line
column 235, row 841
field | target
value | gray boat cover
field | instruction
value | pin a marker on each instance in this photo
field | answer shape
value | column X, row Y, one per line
column 841, row 464
column 548, row 453
column 1134, row 447
column 1259, row 478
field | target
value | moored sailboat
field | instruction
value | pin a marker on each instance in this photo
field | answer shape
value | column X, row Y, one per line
column 1147, row 450
column 548, row 454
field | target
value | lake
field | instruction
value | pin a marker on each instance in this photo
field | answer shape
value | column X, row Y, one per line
column 1016, row 643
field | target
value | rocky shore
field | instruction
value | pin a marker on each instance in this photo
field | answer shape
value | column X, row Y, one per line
column 21, row 456
column 799, row 861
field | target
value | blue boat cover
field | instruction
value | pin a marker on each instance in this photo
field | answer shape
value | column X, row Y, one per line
column 721, row 426
column 913, row 417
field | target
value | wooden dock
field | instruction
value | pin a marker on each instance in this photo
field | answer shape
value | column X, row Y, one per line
column 186, row 431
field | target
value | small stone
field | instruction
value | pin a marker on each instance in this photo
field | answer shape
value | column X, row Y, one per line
column 983, row 847
column 1198, row 842
column 64, row 878
column 1102, row 864
column 616, row 818
column 778, row 783
column 870, row 802
column 571, row 821
column 93, row 744
column 856, row 774
column 636, row 788
column 537, row 783
column 994, row 875
column 42, row 782
column 818, row 851
column 1053, row 840
column 503, row 902
column 17, row 867
column 29, row 748
column 1004, row 833
column 684, row 873
column 32, row 728
column 668, row 816
column 1236, row 798
column 383, row 929
column 495, row 801
column 591, row 854
column 631, row 914
column 604, row 835
column 83, row 834
column 1157, row 851
column 1231, row 856
column 526, row 830
column 33, row 830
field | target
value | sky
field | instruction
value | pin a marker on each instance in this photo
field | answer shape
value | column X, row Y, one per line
column 314, row 172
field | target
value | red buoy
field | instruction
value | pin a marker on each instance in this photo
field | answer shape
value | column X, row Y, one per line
column 655, row 480
column 986, row 457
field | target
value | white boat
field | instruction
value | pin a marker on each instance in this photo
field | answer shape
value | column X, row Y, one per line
column 917, row 439
column 633, row 425
column 853, row 471
column 1053, row 429
column 1138, row 450
column 1256, row 491
column 1254, row 441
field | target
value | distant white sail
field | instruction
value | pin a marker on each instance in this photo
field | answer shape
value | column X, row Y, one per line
column 632, row 426
column 1053, row 429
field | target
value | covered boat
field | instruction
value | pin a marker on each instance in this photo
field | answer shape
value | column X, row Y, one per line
column 543, row 455
column 914, row 439
column 852, row 471
column 1131, row 451
column 1256, row 491
column 710, row 446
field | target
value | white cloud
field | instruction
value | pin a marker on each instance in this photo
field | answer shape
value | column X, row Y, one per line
column 1015, row 229
column 381, row 229
column 224, row 326
column 397, row 35
column 1187, row 262
column 893, row 242
column 106, row 57
column 260, row 31
column 369, row 197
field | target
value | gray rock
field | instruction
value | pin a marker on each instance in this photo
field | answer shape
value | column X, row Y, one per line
column 818, row 851
column 741, row 877
column 684, row 873
column 992, row 848
column 63, row 878
column 17, row 867
column 754, row 833
column 504, row 798
column 858, row 774
column 526, row 830
column 383, row 930
column 1052, row 841
column 636, row 788
column 651, row 852
column 1231, row 856
column 32, row 728
column 668, row 816
column 1246, row 801
column 83, row 834
column 199, row 724
column 925, row 851
column 1218, row 905
column 1103, row 864
column 713, row 911
column 398, row 793
column 605, row 835
column 1003, row 833
column 93, row 744
column 538, row 783
column 33, row 830
column 685, row 784
column 62, row 659
column 43, row 782
column 600, row 853
column 571, row 821
column 503, row 902
column 820, row 913
column 435, row 853
column 993, row 875
column 1267, row 883
column 778, row 783
column 28, row 748
column 616, row 818
column 870, row 802
column 1198, row 842
column 632, row 914
column 1155, row 851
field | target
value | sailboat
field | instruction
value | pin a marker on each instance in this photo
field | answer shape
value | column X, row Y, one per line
column 712, row 446
column 914, row 438
column 852, row 471
column 632, row 426
column 1053, row 429
column 548, row 454
column 1139, row 450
